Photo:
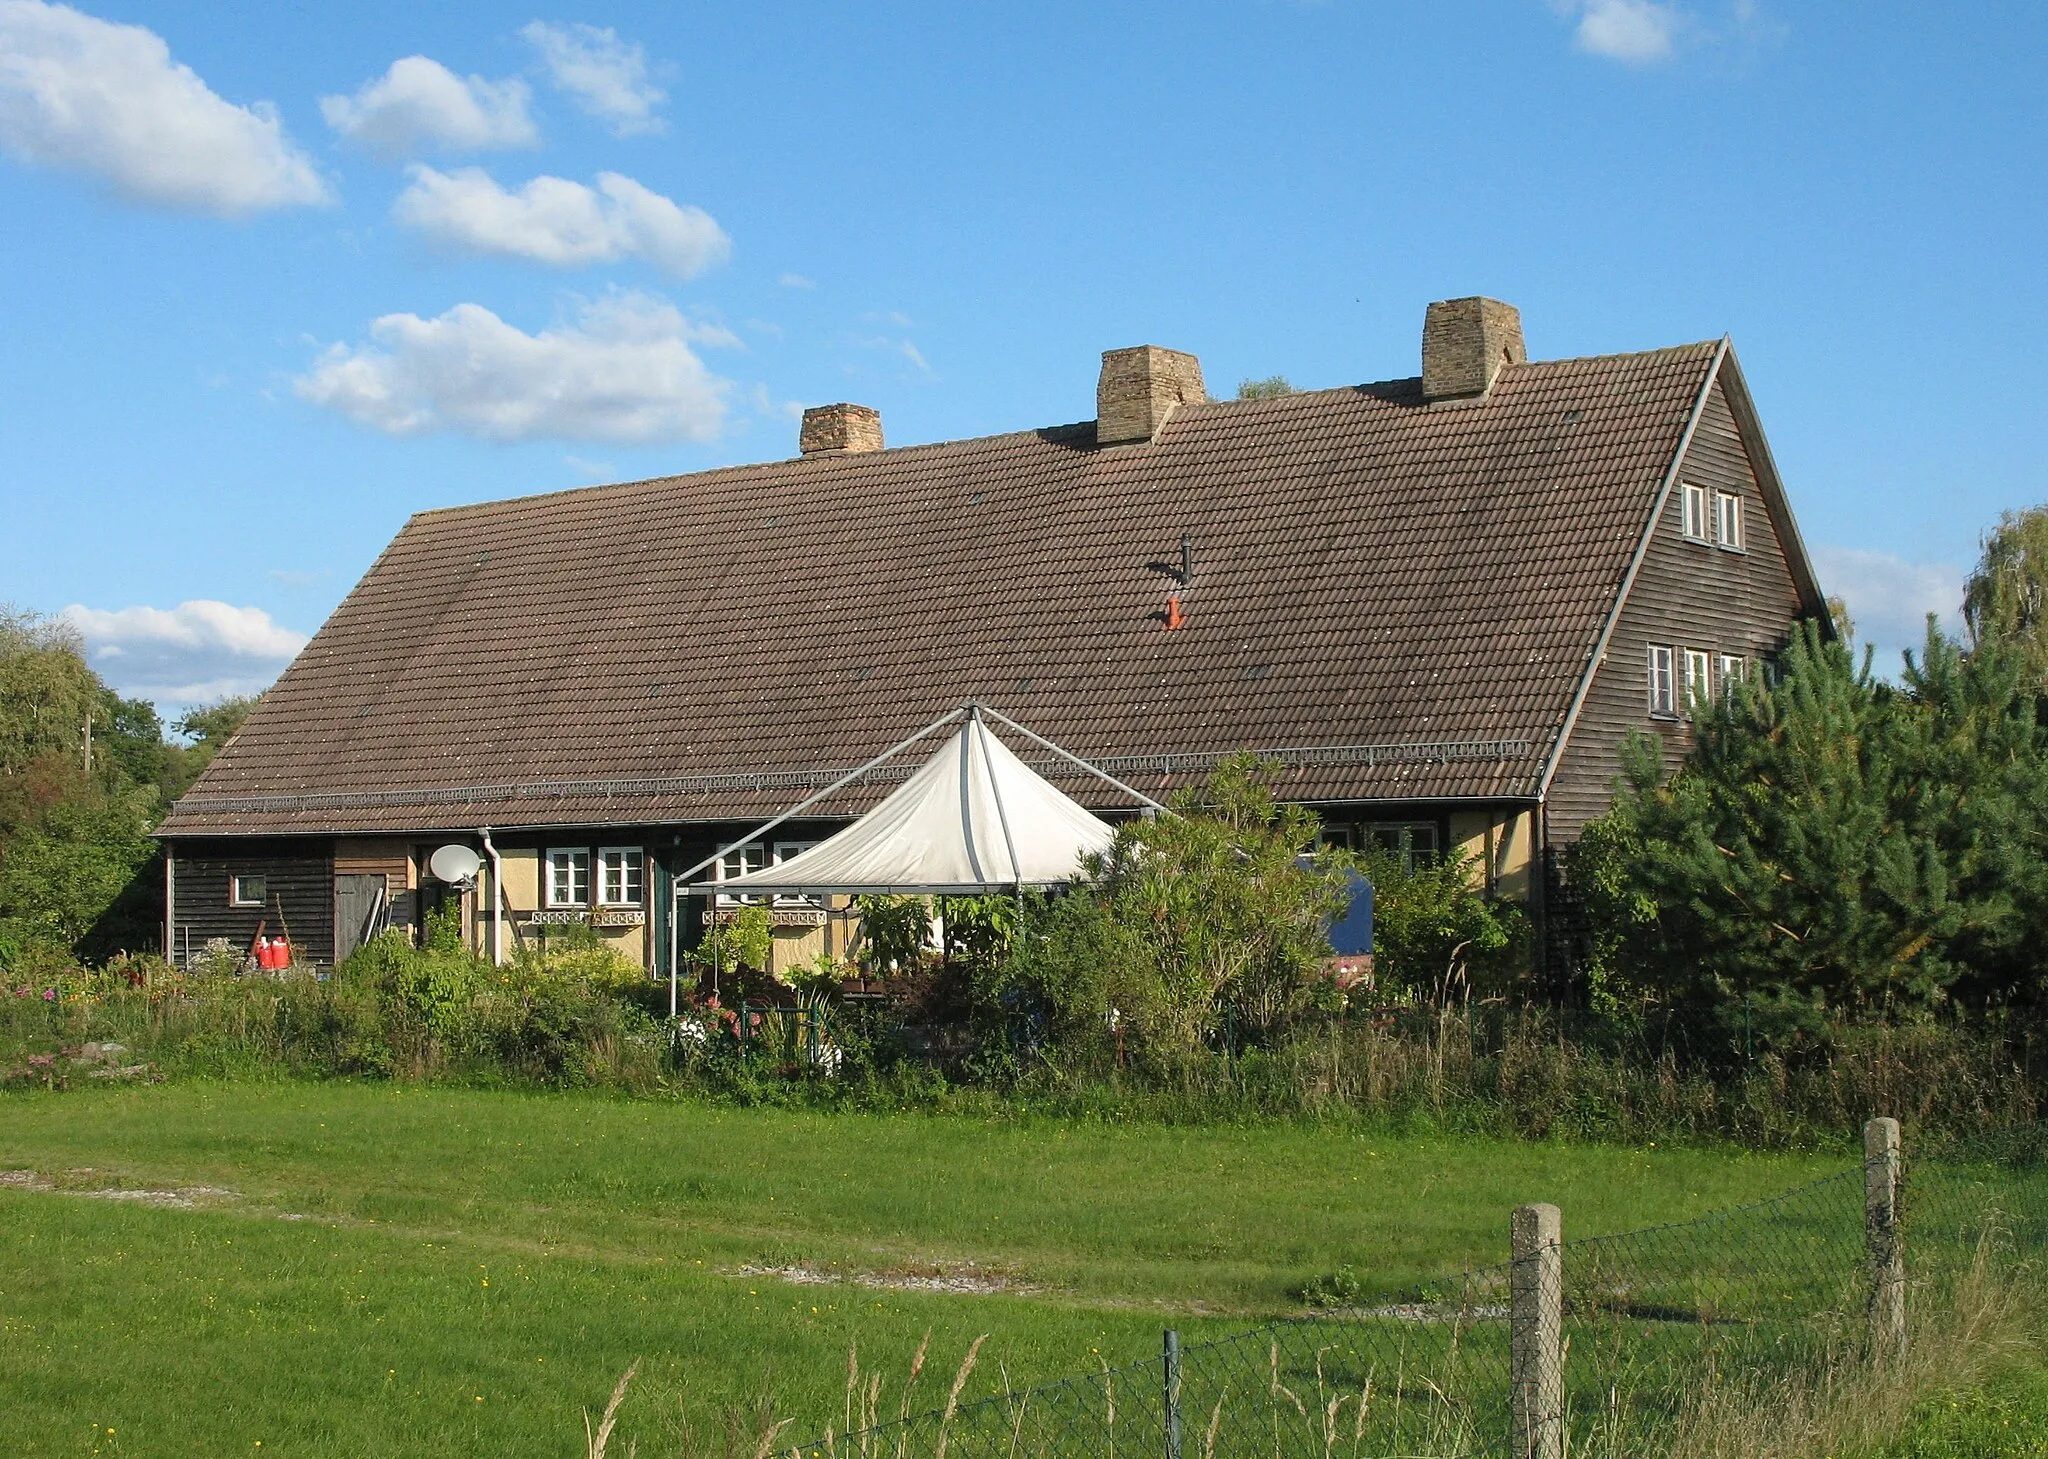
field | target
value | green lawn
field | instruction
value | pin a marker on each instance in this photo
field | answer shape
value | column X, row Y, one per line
column 470, row 1269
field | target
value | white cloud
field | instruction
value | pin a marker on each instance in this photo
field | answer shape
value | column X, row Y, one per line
column 555, row 221
column 1890, row 598
column 197, row 651
column 606, row 76
column 419, row 104
column 1637, row 32
column 623, row 372
column 90, row 96
column 890, row 344
column 797, row 281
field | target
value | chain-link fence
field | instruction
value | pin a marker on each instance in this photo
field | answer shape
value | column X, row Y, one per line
column 1568, row 1347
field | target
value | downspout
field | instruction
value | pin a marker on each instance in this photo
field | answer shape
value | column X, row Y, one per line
column 170, row 902
column 497, row 896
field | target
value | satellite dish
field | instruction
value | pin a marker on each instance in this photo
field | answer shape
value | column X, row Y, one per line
column 455, row 864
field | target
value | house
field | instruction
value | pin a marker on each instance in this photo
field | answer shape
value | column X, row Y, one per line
column 1440, row 603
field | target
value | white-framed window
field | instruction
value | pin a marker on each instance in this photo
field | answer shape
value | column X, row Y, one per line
column 785, row 851
column 1734, row 669
column 738, row 860
column 1728, row 520
column 1414, row 842
column 1698, row 684
column 621, row 876
column 1663, row 695
column 1694, row 508
column 248, row 891
column 568, row 876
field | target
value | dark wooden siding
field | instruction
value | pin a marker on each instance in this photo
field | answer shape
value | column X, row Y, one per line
column 1687, row 595
column 300, row 877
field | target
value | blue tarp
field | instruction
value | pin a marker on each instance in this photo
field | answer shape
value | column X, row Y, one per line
column 1351, row 933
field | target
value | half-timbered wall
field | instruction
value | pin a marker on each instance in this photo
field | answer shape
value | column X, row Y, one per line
column 1688, row 594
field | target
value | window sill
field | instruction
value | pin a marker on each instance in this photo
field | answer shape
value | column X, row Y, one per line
column 1666, row 716
column 1738, row 551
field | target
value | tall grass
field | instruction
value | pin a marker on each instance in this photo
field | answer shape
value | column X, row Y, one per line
column 1966, row 1326
column 1529, row 1072
column 1532, row 1073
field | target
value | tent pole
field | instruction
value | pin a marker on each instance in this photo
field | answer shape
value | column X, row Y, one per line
column 847, row 779
column 1002, row 816
column 1099, row 774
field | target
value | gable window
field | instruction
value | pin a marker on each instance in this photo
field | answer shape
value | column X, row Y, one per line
column 621, row 876
column 1695, row 523
column 1663, row 696
column 568, row 876
column 248, row 891
column 1728, row 520
column 1697, row 684
column 738, row 860
column 787, row 851
column 1734, row 669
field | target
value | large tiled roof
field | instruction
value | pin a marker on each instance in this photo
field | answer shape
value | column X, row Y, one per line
column 1402, row 595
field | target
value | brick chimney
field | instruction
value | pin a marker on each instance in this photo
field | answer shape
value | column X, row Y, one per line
column 1139, row 388
column 1464, row 344
column 840, row 430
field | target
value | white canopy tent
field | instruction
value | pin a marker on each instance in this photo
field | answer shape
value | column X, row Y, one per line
column 973, row 818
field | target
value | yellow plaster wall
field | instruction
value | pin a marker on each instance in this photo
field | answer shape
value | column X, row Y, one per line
column 795, row 947
column 1502, row 846
column 522, row 878
column 628, row 942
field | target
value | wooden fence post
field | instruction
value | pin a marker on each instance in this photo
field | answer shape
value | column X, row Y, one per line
column 1172, row 1394
column 1883, row 1239
column 1536, row 1333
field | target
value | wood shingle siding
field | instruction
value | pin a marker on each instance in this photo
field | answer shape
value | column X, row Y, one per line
column 1686, row 595
column 299, row 878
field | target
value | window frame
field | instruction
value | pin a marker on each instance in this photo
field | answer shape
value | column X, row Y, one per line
column 548, row 896
column 235, row 896
column 630, row 856
column 1727, row 509
column 746, row 864
column 1663, row 667
column 1734, row 670
column 776, row 856
column 1694, row 526
column 1703, row 689
column 1398, row 839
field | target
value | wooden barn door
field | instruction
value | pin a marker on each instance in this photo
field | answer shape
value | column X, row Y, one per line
column 358, row 900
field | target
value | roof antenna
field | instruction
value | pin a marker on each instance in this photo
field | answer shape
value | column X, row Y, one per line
column 1175, row 618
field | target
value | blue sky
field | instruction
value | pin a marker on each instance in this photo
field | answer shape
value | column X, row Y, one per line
column 277, row 276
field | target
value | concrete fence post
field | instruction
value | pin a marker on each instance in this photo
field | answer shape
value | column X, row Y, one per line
column 1883, row 1238
column 1536, row 1344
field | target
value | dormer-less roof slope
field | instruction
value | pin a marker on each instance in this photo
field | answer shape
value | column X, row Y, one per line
column 1403, row 596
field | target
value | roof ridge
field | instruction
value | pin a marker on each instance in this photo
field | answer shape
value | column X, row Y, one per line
column 712, row 473
column 733, row 468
